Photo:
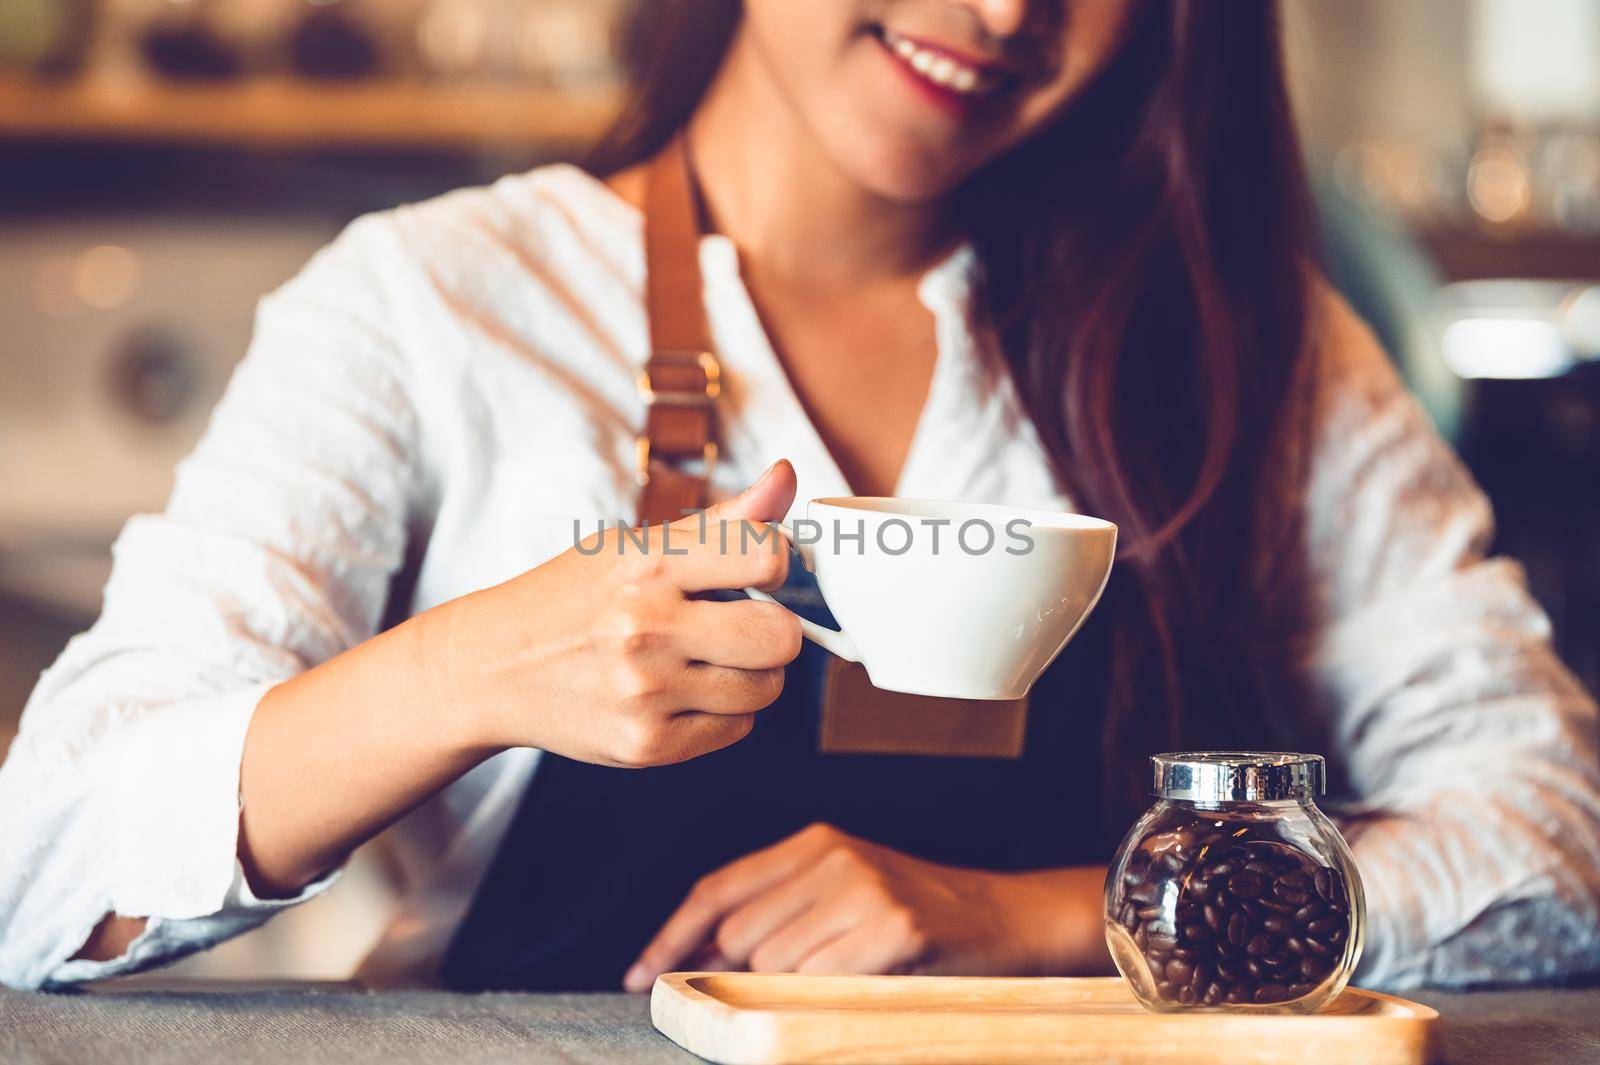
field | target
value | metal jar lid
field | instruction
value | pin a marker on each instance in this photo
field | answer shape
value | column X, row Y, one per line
column 1237, row 776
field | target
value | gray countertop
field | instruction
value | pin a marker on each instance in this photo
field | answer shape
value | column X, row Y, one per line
column 243, row 1025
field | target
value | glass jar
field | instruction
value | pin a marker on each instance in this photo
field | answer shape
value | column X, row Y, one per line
column 1234, row 892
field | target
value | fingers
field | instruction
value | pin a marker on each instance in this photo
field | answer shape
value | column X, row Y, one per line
column 845, row 891
column 810, row 931
column 755, row 923
column 709, row 959
column 724, row 554
column 717, row 895
column 767, row 499
column 734, row 544
column 866, row 948
column 695, row 734
column 720, row 690
column 684, row 736
column 742, row 635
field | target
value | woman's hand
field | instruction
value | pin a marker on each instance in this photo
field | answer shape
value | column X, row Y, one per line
column 604, row 654
column 604, row 657
column 822, row 901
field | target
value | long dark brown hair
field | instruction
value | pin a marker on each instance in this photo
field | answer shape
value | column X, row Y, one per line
column 1143, row 271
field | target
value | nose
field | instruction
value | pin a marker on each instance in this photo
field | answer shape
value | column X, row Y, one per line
column 1000, row 18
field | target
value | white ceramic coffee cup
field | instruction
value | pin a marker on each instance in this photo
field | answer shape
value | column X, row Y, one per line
column 956, row 600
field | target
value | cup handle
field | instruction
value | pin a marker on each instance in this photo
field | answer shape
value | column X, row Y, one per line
column 831, row 640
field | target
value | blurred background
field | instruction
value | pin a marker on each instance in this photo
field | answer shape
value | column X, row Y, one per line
column 163, row 163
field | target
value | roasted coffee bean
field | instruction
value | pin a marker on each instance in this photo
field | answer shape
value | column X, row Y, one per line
column 1245, row 885
column 1309, row 912
column 1278, row 925
column 1293, row 896
column 1227, row 919
column 1238, row 928
column 1315, row 969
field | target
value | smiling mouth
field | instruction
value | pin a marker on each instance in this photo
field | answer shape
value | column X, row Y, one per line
column 943, row 73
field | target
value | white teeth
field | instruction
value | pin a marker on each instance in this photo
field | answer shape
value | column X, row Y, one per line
column 937, row 67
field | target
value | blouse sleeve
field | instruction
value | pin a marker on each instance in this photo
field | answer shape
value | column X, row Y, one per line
column 120, row 794
column 1469, row 750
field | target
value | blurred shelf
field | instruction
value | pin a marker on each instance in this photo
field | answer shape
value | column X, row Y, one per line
column 288, row 113
column 1464, row 253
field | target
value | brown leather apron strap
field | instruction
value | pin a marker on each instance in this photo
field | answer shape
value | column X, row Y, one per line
column 677, row 453
column 677, row 450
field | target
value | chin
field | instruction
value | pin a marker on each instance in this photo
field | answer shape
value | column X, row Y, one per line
column 900, row 172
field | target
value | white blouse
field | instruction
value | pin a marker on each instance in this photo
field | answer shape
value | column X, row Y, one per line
column 448, row 387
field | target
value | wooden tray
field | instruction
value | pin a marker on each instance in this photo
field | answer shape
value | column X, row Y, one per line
column 771, row 1019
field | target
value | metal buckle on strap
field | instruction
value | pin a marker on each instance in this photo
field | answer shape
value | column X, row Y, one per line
column 704, row 360
column 641, row 469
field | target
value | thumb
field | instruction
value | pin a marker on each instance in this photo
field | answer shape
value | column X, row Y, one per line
column 768, row 499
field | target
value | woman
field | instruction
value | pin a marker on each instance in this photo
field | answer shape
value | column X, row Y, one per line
column 1050, row 254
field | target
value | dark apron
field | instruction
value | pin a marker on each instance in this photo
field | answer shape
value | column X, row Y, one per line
column 597, row 858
